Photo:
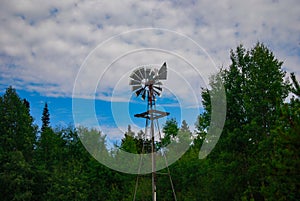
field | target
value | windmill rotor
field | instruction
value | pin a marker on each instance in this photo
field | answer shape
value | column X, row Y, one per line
column 142, row 79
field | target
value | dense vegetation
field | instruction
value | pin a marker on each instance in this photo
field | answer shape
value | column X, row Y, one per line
column 256, row 158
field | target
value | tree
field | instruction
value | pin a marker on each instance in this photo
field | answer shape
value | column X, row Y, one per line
column 296, row 88
column 128, row 142
column 50, row 143
column 184, row 127
column 17, row 139
column 282, row 166
column 45, row 118
column 184, row 133
column 255, row 91
column 48, row 158
column 16, row 124
column 170, row 130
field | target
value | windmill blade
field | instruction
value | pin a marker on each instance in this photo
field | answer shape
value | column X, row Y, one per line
column 156, row 92
column 138, row 92
column 134, row 82
column 162, row 73
column 134, row 76
column 136, row 87
column 147, row 74
column 158, row 83
column 152, row 75
column 144, row 95
column 158, row 88
column 143, row 72
column 140, row 72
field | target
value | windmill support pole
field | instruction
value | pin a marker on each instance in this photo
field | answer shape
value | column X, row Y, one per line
column 153, row 162
column 153, row 150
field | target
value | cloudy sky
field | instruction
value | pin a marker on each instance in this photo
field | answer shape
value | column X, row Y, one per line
column 58, row 50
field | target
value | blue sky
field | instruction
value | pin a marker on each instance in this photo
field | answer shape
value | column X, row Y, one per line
column 61, row 112
column 60, row 50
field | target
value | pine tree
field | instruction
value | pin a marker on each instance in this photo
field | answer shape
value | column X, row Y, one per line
column 45, row 118
column 17, row 139
column 282, row 165
column 48, row 141
column 184, row 133
column 16, row 124
column 296, row 86
column 184, row 127
column 170, row 130
column 48, row 157
column 129, row 142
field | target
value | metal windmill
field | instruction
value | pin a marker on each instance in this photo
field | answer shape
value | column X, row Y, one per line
column 146, row 82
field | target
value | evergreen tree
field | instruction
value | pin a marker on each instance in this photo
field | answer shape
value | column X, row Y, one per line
column 184, row 133
column 296, row 86
column 48, row 158
column 49, row 143
column 282, row 165
column 184, row 127
column 255, row 91
column 170, row 130
column 45, row 118
column 17, row 139
column 16, row 124
column 128, row 142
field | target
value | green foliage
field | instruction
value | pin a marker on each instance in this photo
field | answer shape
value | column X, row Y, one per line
column 170, row 130
column 17, row 138
column 283, row 163
column 296, row 86
column 16, row 125
column 45, row 118
column 16, row 177
column 255, row 93
column 129, row 143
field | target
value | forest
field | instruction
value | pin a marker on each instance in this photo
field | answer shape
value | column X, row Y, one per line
column 256, row 157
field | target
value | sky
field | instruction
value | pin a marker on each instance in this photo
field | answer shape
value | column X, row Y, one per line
column 78, row 55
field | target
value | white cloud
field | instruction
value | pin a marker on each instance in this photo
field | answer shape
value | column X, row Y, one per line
column 42, row 45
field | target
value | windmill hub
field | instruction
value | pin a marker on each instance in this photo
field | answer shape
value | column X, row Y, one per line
column 145, row 82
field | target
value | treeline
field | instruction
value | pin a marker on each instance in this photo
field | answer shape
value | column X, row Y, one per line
column 256, row 157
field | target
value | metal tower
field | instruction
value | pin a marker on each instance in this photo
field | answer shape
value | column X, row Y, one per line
column 146, row 82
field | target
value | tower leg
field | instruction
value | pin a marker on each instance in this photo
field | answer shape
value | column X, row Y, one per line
column 153, row 160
